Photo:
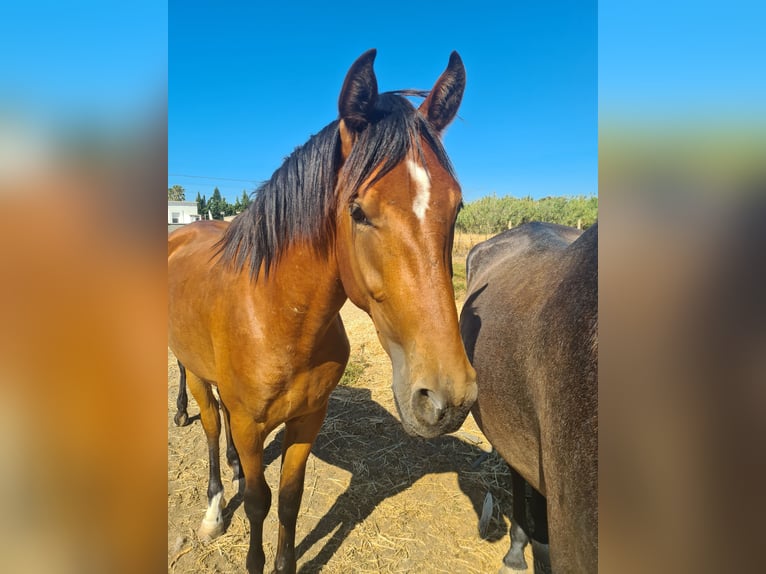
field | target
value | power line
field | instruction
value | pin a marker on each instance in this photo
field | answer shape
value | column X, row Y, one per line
column 212, row 178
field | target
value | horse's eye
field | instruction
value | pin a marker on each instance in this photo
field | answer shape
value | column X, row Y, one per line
column 357, row 214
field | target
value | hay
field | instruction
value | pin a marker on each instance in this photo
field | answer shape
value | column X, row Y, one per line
column 375, row 499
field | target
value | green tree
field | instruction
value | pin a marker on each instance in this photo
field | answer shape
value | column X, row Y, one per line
column 216, row 205
column 492, row 214
column 201, row 205
column 244, row 200
column 176, row 193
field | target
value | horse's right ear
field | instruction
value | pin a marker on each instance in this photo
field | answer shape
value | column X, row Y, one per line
column 357, row 98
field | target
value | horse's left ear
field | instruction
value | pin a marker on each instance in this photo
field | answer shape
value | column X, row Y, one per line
column 440, row 107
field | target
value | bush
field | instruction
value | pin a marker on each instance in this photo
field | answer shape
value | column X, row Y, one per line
column 492, row 214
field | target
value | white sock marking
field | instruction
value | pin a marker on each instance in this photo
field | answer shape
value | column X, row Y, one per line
column 213, row 513
column 212, row 524
column 422, row 189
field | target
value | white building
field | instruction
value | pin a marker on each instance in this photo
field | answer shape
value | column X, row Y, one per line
column 180, row 212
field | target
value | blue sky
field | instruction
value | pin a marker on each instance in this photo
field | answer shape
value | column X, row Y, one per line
column 681, row 61
column 248, row 82
column 83, row 62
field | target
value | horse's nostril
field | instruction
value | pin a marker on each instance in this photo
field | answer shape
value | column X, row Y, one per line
column 432, row 405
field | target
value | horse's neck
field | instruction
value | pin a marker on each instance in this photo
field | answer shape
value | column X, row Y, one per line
column 305, row 286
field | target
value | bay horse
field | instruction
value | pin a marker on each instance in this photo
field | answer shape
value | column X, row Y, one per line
column 365, row 211
column 530, row 328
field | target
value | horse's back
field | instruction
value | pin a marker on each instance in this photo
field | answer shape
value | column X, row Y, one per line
column 197, row 234
column 192, row 254
column 517, row 243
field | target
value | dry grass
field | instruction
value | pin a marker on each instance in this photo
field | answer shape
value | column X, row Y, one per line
column 376, row 500
column 460, row 249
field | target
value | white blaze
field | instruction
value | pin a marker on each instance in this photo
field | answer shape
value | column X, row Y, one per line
column 422, row 189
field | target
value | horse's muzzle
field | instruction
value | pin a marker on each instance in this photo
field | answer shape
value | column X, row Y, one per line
column 438, row 411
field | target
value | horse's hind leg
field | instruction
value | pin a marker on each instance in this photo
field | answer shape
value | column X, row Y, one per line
column 212, row 524
column 182, row 417
column 514, row 559
column 232, row 457
column 529, row 524
column 538, row 532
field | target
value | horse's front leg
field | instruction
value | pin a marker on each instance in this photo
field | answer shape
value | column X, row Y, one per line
column 300, row 434
column 248, row 438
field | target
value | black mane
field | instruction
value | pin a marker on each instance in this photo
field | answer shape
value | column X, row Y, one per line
column 298, row 203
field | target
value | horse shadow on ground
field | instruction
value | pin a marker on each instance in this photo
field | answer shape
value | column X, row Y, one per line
column 362, row 438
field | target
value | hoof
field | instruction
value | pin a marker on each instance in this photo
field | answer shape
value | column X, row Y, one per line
column 513, row 562
column 210, row 530
column 212, row 525
column 505, row 569
column 181, row 419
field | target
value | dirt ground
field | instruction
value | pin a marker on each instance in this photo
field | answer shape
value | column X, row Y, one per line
column 375, row 499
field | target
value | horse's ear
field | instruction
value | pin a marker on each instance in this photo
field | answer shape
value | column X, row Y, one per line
column 440, row 107
column 359, row 93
